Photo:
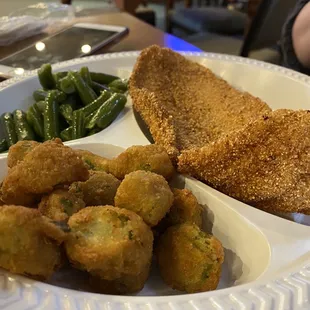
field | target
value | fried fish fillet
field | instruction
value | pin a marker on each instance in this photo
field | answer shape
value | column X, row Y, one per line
column 184, row 104
column 47, row 165
column 266, row 164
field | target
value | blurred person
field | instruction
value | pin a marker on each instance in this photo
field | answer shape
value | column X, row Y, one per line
column 295, row 42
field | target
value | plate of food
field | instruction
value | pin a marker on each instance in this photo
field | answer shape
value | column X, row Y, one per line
column 155, row 180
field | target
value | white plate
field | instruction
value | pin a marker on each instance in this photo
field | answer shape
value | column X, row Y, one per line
column 267, row 263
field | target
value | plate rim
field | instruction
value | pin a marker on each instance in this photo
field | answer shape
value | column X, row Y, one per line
column 297, row 76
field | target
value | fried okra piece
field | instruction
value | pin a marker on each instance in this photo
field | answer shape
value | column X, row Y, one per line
column 29, row 242
column 18, row 151
column 48, row 165
column 98, row 190
column 93, row 161
column 189, row 259
column 146, row 193
column 185, row 208
column 114, row 245
column 151, row 157
column 2, row 203
column 60, row 205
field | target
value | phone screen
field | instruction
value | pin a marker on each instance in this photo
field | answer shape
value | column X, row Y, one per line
column 71, row 43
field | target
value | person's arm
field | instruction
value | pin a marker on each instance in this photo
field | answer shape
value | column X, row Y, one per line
column 301, row 36
column 291, row 42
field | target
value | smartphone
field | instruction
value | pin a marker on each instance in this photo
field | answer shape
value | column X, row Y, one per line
column 77, row 41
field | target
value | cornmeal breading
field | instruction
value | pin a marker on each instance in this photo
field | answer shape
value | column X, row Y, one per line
column 29, row 242
column 48, row 165
column 266, row 164
column 184, row 104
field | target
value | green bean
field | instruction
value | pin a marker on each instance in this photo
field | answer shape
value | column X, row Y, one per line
column 22, row 128
column 63, row 124
column 66, row 98
column 89, row 117
column 98, row 88
column 73, row 100
column 57, row 77
column 40, row 105
column 78, row 125
column 112, row 112
column 46, row 77
column 66, row 85
column 95, row 105
column 84, row 72
column 116, row 90
column 60, row 75
column 60, row 96
column 3, row 145
column 66, row 134
column 86, row 93
column 66, row 110
column 102, row 78
column 115, row 99
column 41, row 94
column 9, row 128
column 67, row 107
column 51, row 117
column 35, row 119
column 93, row 131
column 119, row 84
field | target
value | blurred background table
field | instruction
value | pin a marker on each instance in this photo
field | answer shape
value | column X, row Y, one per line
column 129, row 6
column 140, row 35
column 250, row 28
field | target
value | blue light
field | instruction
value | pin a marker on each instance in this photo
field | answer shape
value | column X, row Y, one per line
column 179, row 45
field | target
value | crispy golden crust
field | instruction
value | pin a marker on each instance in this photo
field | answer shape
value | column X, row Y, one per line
column 189, row 259
column 151, row 157
column 29, row 242
column 109, row 242
column 185, row 208
column 18, row 151
column 146, row 193
column 265, row 165
column 184, row 104
column 60, row 205
column 47, row 165
column 98, row 190
column 93, row 161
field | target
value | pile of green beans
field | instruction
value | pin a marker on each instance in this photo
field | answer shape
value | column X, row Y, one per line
column 70, row 105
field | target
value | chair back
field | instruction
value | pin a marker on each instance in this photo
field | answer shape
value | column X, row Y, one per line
column 266, row 26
